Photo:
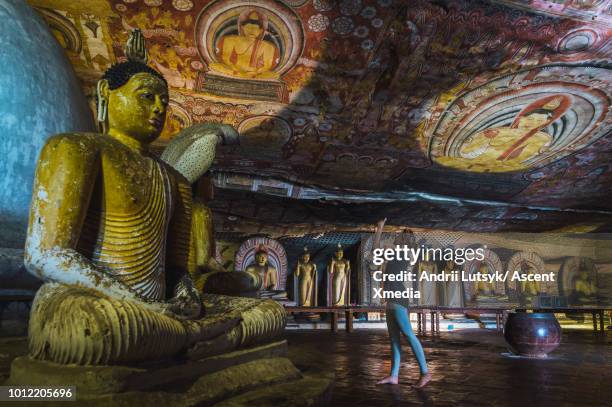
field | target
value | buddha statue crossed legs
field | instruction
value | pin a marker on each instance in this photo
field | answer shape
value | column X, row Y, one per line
column 110, row 232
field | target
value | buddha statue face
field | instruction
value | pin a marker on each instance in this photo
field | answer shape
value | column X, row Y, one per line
column 339, row 254
column 306, row 257
column 261, row 258
column 138, row 108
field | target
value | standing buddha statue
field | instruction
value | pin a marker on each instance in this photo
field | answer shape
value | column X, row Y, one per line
column 306, row 276
column 453, row 291
column 338, row 279
column 428, row 289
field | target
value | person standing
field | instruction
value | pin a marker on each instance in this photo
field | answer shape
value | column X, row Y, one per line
column 398, row 320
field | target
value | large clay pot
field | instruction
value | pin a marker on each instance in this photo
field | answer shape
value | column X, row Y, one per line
column 532, row 334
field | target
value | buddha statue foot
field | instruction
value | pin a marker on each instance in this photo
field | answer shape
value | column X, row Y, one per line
column 262, row 320
column 76, row 325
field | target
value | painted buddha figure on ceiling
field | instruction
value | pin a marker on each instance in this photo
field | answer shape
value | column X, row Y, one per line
column 511, row 148
column 110, row 233
column 247, row 55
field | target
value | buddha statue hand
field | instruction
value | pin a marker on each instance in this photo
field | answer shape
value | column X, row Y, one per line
column 135, row 49
column 186, row 302
column 192, row 151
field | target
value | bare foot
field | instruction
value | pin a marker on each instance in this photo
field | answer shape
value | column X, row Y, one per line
column 389, row 380
column 423, row 381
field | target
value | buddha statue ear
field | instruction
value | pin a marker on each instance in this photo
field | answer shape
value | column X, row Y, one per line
column 102, row 108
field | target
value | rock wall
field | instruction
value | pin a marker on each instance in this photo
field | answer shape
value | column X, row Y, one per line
column 39, row 96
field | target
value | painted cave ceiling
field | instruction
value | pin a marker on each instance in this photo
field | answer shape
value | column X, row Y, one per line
column 473, row 115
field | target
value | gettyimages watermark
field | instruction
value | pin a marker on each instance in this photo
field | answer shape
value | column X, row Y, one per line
column 458, row 256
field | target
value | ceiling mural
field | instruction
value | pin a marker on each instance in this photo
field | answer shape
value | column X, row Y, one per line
column 507, row 101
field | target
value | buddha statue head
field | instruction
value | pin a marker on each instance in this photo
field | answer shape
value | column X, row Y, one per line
column 133, row 98
column 339, row 252
column 305, row 255
column 261, row 256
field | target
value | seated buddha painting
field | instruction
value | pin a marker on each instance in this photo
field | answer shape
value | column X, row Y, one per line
column 247, row 47
column 247, row 54
column 511, row 147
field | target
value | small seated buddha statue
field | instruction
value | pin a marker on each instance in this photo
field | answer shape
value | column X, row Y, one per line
column 338, row 277
column 306, row 276
column 486, row 291
column 528, row 289
column 110, row 233
column 585, row 289
column 264, row 274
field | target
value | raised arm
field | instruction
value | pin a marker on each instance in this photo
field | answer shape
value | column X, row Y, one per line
column 63, row 185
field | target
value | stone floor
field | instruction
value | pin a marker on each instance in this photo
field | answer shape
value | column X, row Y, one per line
column 468, row 367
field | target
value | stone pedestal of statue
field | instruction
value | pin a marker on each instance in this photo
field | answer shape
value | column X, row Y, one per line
column 263, row 372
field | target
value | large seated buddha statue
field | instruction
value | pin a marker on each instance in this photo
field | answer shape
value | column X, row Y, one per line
column 111, row 234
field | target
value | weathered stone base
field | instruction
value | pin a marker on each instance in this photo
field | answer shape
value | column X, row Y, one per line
column 249, row 376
